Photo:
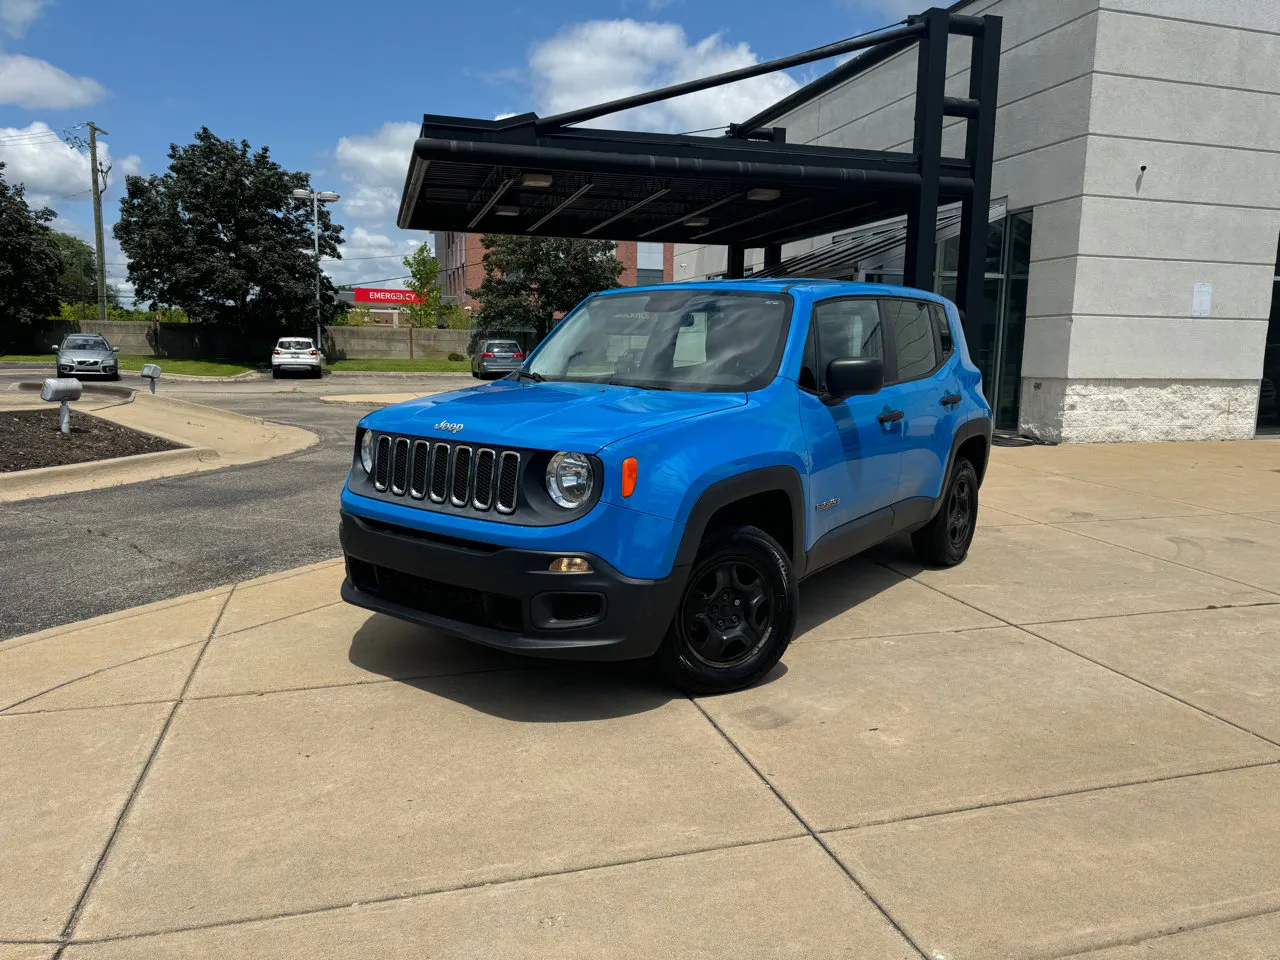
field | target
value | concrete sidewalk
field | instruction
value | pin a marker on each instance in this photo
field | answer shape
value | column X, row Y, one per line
column 1068, row 745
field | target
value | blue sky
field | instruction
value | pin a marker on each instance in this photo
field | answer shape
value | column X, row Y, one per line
column 338, row 89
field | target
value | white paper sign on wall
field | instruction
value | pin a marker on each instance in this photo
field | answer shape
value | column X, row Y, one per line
column 1202, row 300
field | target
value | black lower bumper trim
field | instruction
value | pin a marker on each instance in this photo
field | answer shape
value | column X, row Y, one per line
column 505, row 597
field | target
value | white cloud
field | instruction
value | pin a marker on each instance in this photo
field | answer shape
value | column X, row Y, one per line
column 17, row 15
column 39, row 85
column 603, row 60
column 51, row 169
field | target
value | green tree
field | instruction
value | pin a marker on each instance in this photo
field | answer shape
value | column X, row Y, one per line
column 424, row 272
column 78, row 277
column 219, row 236
column 529, row 280
column 29, row 263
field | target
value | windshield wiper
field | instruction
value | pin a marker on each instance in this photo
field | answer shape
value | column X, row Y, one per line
column 639, row 385
column 530, row 375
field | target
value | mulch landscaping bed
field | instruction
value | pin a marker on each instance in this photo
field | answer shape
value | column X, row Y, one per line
column 31, row 439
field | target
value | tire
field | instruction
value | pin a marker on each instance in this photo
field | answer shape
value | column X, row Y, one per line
column 945, row 541
column 475, row 375
column 746, row 568
column 275, row 373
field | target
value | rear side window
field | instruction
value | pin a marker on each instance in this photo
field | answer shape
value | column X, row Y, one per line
column 911, row 324
column 940, row 323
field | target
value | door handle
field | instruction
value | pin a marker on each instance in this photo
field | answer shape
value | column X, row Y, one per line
column 951, row 399
column 890, row 416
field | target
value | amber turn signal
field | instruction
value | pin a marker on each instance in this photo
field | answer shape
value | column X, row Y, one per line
column 630, row 469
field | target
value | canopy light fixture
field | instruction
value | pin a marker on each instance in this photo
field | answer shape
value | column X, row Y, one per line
column 537, row 181
column 697, row 221
column 763, row 194
column 507, row 211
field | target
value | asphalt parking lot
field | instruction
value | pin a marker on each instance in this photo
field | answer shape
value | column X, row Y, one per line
column 86, row 554
column 1067, row 746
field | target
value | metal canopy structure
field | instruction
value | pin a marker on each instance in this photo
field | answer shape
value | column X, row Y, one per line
column 544, row 176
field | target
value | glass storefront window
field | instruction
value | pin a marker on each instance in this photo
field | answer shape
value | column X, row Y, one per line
column 996, row 348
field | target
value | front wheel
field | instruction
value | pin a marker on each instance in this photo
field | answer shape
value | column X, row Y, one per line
column 736, row 616
column 945, row 541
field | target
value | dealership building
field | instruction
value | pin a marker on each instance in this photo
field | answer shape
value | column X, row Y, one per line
column 1134, row 223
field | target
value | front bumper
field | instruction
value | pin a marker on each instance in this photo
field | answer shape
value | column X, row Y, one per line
column 505, row 597
column 96, row 370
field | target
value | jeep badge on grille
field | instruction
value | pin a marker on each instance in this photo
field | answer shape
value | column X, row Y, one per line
column 446, row 425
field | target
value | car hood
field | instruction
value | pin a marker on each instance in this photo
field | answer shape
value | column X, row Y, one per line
column 79, row 354
column 550, row 416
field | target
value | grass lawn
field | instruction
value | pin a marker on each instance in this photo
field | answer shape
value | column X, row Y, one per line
column 191, row 368
column 403, row 366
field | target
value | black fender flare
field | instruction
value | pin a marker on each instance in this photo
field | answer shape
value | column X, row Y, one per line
column 730, row 490
column 977, row 427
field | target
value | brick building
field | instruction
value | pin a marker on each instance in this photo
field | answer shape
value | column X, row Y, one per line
column 462, row 269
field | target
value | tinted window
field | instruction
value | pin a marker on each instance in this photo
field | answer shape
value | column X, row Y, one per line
column 294, row 344
column 912, row 327
column 847, row 328
column 943, row 327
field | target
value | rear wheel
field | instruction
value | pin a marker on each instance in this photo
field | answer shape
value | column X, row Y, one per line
column 945, row 541
column 275, row 373
column 736, row 616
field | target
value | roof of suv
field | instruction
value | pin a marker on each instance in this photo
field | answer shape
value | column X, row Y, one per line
column 818, row 288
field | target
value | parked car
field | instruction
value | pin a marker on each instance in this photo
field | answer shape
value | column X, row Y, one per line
column 86, row 354
column 296, row 355
column 495, row 358
column 666, row 467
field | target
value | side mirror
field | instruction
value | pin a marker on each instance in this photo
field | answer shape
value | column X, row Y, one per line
column 854, row 376
column 115, row 349
column 54, row 347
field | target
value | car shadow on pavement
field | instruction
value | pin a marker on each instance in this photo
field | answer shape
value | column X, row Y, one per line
column 844, row 587
column 511, row 687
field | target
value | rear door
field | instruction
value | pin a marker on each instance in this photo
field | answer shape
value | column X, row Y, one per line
column 855, row 455
column 929, row 388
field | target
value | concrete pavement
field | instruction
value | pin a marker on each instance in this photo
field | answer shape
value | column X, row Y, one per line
column 1069, row 745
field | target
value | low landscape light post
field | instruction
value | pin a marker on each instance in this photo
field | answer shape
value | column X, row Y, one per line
column 316, row 198
column 61, row 390
column 151, row 372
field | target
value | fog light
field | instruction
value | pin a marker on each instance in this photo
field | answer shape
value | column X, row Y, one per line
column 570, row 565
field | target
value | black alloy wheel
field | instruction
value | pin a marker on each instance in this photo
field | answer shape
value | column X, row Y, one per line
column 736, row 615
column 727, row 614
column 945, row 541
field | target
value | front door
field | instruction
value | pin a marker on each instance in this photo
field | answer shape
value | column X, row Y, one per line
column 855, row 455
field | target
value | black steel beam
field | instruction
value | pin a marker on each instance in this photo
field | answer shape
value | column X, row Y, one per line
column 980, row 139
column 737, row 262
column 922, row 215
column 720, row 79
column 772, row 255
column 959, row 107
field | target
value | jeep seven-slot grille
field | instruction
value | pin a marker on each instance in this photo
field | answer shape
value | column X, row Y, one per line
column 462, row 475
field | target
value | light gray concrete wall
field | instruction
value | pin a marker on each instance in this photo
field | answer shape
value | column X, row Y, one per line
column 388, row 343
column 1191, row 92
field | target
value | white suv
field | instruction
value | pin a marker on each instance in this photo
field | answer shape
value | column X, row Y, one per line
column 296, row 355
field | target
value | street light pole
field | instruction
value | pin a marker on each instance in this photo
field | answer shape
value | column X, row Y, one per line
column 316, row 197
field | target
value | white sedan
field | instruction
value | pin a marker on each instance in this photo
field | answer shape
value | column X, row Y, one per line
column 296, row 355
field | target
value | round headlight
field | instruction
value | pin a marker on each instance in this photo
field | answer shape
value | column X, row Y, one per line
column 366, row 451
column 570, row 479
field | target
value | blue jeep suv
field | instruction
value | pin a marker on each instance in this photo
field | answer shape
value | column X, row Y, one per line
column 659, row 475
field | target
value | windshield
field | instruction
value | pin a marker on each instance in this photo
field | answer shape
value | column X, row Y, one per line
column 700, row 340
column 84, row 343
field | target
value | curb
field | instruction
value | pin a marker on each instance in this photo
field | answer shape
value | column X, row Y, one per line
column 22, row 365
column 395, row 374
column 95, row 474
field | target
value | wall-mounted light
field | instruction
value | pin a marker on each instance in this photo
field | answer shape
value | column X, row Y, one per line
column 764, row 194
column 507, row 211
column 536, row 181
column 697, row 221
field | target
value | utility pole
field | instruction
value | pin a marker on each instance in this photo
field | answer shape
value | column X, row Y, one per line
column 94, row 130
